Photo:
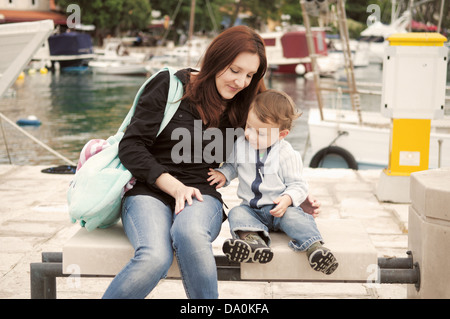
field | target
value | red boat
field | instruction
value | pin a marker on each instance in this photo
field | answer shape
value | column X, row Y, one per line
column 286, row 50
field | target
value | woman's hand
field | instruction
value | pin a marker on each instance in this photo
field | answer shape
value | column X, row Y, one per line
column 185, row 194
column 182, row 193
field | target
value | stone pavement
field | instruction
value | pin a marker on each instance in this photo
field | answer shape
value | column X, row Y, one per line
column 34, row 219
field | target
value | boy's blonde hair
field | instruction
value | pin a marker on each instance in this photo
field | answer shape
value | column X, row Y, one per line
column 273, row 106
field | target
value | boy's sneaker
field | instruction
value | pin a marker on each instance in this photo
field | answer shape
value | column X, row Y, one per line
column 322, row 259
column 250, row 249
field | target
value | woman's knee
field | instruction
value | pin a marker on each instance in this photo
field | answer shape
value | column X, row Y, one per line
column 190, row 235
column 157, row 260
column 199, row 223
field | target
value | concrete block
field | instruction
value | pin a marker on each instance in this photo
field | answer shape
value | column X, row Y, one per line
column 430, row 193
column 106, row 252
column 393, row 188
column 347, row 239
column 429, row 242
column 100, row 252
column 429, row 232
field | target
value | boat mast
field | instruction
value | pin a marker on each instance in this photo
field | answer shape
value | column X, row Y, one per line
column 441, row 12
column 393, row 11
column 343, row 28
column 313, row 57
column 191, row 31
column 343, row 31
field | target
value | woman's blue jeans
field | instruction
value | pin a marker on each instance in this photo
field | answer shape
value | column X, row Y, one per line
column 297, row 224
column 155, row 233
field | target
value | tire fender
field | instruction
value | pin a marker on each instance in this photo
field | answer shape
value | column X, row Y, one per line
column 335, row 150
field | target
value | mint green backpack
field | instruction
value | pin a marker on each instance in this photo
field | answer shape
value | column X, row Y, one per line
column 95, row 193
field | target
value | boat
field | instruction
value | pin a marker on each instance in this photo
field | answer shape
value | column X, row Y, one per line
column 116, row 50
column 30, row 120
column 350, row 139
column 66, row 51
column 360, row 51
column 187, row 55
column 115, row 59
column 70, row 49
column 376, row 34
column 358, row 146
column 287, row 52
column 19, row 41
column 118, row 68
column 356, row 138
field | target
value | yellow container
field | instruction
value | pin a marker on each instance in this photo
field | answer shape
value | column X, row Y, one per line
column 417, row 39
column 410, row 137
column 410, row 145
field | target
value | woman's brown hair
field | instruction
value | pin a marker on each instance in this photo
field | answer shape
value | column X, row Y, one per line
column 222, row 51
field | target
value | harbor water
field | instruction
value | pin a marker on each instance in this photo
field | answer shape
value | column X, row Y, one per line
column 74, row 108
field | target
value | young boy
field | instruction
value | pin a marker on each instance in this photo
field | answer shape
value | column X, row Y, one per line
column 271, row 188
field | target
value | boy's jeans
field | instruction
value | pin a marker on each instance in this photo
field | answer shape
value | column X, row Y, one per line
column 297, row 224
column 155, row 232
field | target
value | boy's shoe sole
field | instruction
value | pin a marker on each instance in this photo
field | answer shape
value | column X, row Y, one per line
column 240, row 251
column 323, row 260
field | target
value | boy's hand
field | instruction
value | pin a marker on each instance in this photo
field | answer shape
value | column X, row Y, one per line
column 216, row 178
column 311, row 206
column 283, row 202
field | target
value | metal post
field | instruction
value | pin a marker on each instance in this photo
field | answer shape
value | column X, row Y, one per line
column 227, row 270
column 399, row 271
column 52, row 257
column 395, row 262
column 401, row 276
column 43, row 279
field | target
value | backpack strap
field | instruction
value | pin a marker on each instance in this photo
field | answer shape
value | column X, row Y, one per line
column 173, row 100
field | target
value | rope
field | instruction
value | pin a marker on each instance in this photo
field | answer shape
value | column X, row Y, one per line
column 37, row 141
column 6, row 143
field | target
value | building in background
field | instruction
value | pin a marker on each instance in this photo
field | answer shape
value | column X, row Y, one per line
column 12, row 11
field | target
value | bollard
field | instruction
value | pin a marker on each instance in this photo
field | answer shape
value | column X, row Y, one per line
column 413, row 93
column 429, row 232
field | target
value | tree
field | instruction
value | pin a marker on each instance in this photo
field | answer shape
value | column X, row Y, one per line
column 356, row 10
column 208, row 14
column 293, row 8
column 112, row 16
column 135, row 15
column 261, row 11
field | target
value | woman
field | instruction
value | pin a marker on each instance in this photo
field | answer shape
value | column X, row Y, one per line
column 172, row 207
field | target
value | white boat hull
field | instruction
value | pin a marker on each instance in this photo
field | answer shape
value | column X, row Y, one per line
column 19, row 42
column 369, row 143
column 117, row 68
